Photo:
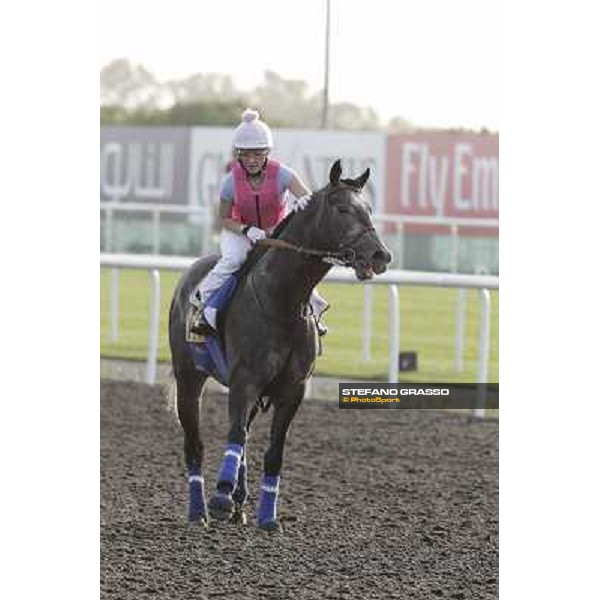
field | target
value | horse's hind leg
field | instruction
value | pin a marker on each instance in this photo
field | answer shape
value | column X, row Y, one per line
column 285, row 408
column 189, row 388
column 240, row 493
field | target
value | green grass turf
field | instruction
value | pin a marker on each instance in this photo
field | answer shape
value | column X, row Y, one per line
column 427, row 326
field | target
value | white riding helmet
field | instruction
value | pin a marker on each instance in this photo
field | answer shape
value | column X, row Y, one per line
column 252, row 133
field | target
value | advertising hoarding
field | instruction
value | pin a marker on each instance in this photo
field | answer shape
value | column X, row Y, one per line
column 144, row 164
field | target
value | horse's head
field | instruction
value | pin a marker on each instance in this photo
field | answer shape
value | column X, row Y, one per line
column 343, row 224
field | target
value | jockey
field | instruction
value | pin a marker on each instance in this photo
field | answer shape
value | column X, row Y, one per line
column 253, row 200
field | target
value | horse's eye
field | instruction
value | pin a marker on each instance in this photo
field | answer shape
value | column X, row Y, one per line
column 343, row 209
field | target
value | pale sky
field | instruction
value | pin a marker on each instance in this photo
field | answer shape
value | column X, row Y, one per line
column 434, row 62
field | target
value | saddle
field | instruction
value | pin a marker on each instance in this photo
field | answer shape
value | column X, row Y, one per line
column 208, row 350
column 222, row 296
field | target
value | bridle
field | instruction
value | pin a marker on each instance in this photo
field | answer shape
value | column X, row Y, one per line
column 344, row 257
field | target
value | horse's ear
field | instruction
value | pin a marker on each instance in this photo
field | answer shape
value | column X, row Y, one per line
column 335, row 173
column 360, row 181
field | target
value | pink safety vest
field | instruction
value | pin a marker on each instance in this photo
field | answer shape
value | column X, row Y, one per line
column 263, row 207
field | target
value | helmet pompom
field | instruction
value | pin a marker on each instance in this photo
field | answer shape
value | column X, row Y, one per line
column 250, row 115
column 252, row 133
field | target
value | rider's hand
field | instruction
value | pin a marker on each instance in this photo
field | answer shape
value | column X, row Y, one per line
column 296, row 204
column 254, row 234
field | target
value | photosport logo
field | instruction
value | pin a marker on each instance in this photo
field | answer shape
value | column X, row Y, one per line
column 418, row 395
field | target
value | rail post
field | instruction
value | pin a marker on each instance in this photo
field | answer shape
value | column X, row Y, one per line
column 153, row 327
column 459, row 335
column 394, row 343
column 109, row 243
column 484, row 351
column 368, row 322
column 114, row 305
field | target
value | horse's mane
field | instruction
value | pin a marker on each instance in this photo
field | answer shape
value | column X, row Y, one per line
column 282, row 225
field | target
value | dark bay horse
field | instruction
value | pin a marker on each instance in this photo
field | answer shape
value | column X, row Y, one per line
column 270, row 338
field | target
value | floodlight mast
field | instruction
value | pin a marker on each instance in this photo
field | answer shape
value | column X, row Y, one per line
column 326, row 84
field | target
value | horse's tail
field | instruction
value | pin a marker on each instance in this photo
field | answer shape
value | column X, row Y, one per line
column 170, row 393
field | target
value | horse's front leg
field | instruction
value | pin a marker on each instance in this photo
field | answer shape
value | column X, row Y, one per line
column 285, row 408
column 231, row 492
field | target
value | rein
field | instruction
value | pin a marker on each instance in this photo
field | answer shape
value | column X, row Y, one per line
column 346, row 257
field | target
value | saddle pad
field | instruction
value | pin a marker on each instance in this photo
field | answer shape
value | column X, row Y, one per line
column 210, row 358
column 219, row 300
column 207, row 350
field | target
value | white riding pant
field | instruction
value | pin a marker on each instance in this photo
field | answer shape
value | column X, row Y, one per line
column 234, row 249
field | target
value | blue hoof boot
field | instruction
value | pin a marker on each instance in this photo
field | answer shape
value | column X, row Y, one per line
column 197, row 505
column 220, row 507
column 195, row 516
column 270, row 526
column 200, row 521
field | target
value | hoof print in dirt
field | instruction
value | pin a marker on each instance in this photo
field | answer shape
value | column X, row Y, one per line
column 355, row 532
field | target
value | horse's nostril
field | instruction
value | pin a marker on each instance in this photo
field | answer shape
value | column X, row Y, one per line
column 382, row 256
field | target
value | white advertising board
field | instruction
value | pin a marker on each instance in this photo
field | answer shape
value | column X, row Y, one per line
column 309, row 152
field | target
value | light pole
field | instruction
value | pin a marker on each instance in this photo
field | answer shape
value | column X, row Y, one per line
column 326, row 85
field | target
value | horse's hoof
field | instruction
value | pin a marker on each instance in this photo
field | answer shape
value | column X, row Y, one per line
column 239, row 515
column 201, row 522
column 220, row 508
column 270, row 526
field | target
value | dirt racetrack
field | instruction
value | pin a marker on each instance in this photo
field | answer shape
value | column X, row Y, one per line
column 374, row 504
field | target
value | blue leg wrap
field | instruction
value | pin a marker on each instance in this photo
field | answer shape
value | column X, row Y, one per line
column 197, row 504
column 267, row 505
column 240, row 494
column 230, row 467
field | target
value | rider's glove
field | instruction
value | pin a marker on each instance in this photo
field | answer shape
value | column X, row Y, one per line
column 254, row 234
column 296, row 204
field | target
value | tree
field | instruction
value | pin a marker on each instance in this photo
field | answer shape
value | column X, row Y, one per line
column 400, row 125
column 130, row 94
column 345, row 115
column 285, row 102
column 205, row 112
column 212, row 86
column 129, row 86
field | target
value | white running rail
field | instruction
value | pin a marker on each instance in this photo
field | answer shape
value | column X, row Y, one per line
column 392, row 278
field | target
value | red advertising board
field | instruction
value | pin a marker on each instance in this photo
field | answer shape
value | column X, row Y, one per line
column 443, row 175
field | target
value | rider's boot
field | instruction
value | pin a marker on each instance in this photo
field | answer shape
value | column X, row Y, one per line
column 319, row 307
column 322, row 329
column 198, row 323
